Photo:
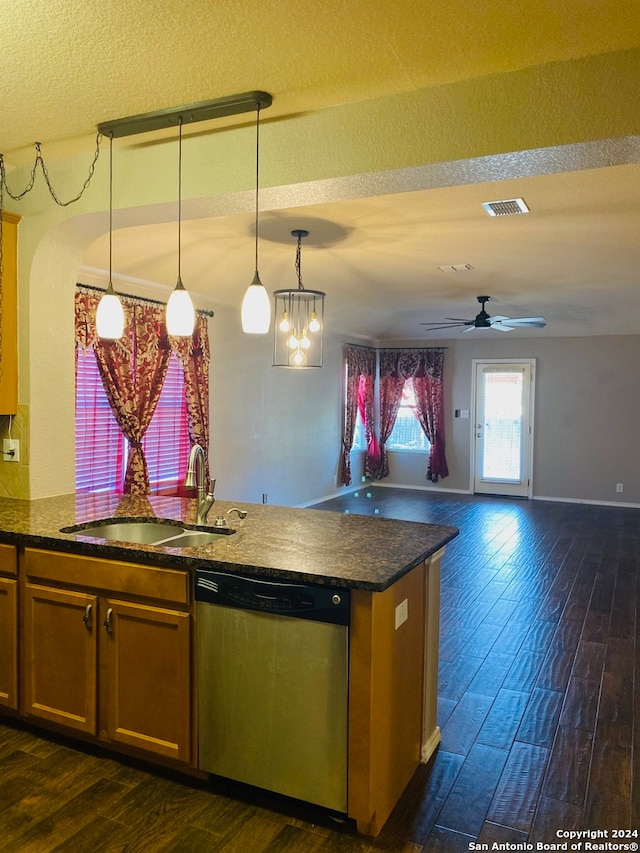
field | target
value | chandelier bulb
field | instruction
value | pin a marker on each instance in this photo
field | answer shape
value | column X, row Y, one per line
column 285, row 325
column 314, row 323
column 297, row 358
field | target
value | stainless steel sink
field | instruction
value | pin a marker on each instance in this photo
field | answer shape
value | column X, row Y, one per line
column 191, row 539
column 148, row 531
column 139, row 532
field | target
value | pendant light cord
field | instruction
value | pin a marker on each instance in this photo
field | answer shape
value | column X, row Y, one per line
column 298, row 262
column 110, row 206
column 179, row 199
column 257, row 175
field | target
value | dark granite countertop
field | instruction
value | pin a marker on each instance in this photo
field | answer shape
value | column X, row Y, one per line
column 302, row 544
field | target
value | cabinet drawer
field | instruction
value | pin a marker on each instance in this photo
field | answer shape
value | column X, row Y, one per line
column 8, row 559
column 171, row 585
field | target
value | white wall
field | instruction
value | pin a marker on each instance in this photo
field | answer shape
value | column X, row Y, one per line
column 274, row 431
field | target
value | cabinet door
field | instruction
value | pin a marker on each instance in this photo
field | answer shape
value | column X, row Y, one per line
column 9, row 643
column 147, row 678
column 60, row 657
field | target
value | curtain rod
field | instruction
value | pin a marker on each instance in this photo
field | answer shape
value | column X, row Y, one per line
column 363, row 346
column 201, row 311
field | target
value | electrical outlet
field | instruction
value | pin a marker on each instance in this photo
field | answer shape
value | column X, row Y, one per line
column 619, row 487
column 10, row 450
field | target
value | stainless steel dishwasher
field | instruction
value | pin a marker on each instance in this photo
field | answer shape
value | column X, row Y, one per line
column 273, row 684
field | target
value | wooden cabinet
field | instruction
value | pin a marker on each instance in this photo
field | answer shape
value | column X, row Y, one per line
column 60, row 657
column 8, row 627
column 109, row 667
column 393, row 661
column 146, row 699
column 9, row 316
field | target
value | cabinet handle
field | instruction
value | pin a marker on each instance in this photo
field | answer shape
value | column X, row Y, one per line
column 87, row 617
column 107, row 621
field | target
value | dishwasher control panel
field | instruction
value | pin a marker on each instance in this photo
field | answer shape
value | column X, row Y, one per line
column 303, row 601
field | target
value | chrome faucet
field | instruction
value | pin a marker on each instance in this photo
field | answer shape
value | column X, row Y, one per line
column 196, row 478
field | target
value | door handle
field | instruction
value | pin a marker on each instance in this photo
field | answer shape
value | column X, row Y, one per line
column 87, row 617
column 107, row 621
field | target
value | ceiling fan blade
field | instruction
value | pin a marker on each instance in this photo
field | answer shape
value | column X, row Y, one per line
column 534, row 322
column 502, row 327
column 434, row 328
column 497, row 318
column 459, row 319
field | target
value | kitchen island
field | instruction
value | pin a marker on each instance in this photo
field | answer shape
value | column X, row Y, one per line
column 390, row 566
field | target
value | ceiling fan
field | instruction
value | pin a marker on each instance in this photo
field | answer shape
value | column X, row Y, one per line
column 485, row 321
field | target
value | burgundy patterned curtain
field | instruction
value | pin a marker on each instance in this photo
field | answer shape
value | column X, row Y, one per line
column 425, row 368
column 366, row 388
column 391, row 385
column 133, row 370
column 195, row 357
column 361, row 363
column 427, row 388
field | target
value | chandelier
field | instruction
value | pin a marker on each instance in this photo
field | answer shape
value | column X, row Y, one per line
column 299, row 321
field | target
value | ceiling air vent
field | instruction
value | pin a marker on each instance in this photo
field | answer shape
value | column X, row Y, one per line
column 508, row 207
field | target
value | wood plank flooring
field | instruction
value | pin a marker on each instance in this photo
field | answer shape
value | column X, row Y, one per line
column 539, row 707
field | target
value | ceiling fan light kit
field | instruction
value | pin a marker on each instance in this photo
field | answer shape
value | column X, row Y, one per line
column 484, row 320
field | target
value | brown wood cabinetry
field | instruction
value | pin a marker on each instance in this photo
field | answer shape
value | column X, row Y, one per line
column 147, row 678
column 60, row 656
column 102, row 665
column 8, row 627
column 9, row 316
column 392, row 691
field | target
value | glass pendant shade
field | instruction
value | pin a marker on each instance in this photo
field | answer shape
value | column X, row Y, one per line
column 110, row 316
column 256, row 308
column 181, row 315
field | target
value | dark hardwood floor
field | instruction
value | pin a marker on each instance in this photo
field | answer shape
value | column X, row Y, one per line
column 539, row 706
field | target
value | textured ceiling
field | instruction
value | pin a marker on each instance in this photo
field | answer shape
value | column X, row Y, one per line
column 65, row 66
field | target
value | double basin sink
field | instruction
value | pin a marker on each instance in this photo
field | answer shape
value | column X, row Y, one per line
column 148, row 531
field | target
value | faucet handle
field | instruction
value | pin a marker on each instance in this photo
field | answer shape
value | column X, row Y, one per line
column 212, row 487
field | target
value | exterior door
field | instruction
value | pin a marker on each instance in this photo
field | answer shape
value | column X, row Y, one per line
column 503, row 439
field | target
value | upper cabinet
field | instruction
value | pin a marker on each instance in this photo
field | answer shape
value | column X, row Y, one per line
column 9, row 316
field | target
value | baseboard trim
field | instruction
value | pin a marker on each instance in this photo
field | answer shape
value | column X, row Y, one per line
column 379, row 484
column 618, row 504
column 430, row 746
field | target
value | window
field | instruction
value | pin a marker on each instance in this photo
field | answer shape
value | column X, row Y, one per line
column 358, row 437
column 407, row 434
column 101, row 449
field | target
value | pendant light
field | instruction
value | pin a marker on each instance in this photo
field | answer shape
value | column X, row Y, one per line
column 299, row 323
column 110, row 314
column 256, row 306
column 181, row 316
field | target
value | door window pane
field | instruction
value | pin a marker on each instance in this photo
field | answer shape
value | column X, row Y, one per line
column 503, row 426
